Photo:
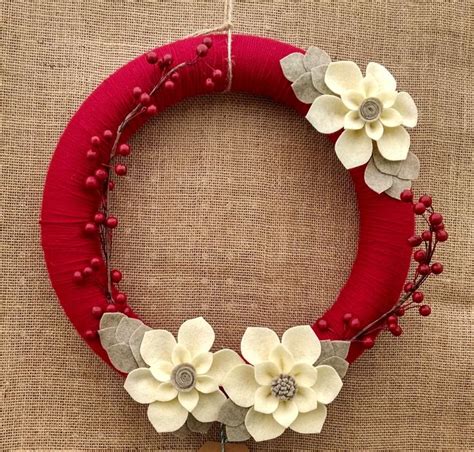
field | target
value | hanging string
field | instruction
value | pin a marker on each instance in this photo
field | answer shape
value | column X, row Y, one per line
column 225, row 27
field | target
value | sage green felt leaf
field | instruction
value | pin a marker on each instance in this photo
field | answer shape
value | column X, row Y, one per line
column 122, row 358
column 125, row 328
column 292, row 66
column 237, row 434
column 376, row 180
column 231, row 414
column 391, row 167
column 183, row 432
column 340, row 365
column 107, row 337
column 317, row 76
column 304, row 90
column 398, row 186
column 314, row 56
column 111, row 319
column 136, row 341
column 196, row 426
column 327, row 350
column 341, row 348
column 410, row 168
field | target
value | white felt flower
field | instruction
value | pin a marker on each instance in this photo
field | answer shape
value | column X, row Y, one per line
column 368, row 109
column 280, row 385
column 183, row 377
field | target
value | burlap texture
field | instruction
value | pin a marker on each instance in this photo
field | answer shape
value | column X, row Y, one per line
column 237, row 210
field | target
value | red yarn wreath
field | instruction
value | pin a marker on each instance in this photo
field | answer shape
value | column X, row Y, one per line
column 383, row 255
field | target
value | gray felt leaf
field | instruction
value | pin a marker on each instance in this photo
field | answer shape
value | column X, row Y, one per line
column 196, row 426
column 111, row 319
column 327, row 350
column 292, row 66
column 107, row 337
column 125, row 329
column 304, row 89
column 341, row 348
column 237, row 434
column 183, row 432
column 135, row 341
column 231, row 414
column 340, row 365
column 398, row 186
column 315, row 57
column 122, row 358
column 386, row 166
column 410, row 168
column 317, row 75
column 377, row 181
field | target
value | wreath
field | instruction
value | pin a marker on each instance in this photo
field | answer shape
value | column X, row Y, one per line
column 272, row 383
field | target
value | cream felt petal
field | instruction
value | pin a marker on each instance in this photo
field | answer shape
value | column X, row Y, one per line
column 304, row 374
column 142, row 386
column 305, row 399
column 286, row 413
column 384, row 78
column 166, row 392
column 240, row 385
column 311, row 422
column 302, row 342
column 353, row 148
column 405, row 105
column 180, row 355
column 262, row 427
column 206, row 384
column 223, row 361
column 326, row 114
column 282, row 358
column 265, row 401
column 157, row 345
column 196, row 335
column 202, row 362
column 387, row 98
column 370, row 86
column 352, row 99
column 342, row 76
column 353, row 121
column 162, row 370
column 391, row 118
column 257, row 343
column 327, row 385
column 394, row 143
column 167, row 416
column 209, row 406
column 189, row 399
column 374, row 130
column 266, row 372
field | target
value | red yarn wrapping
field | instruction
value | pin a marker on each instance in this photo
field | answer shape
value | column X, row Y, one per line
column 383, row 256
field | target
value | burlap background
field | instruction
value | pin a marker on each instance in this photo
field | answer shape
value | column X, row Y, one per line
column 235, row 209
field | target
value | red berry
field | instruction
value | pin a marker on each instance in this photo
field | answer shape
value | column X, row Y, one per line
column 201, row 50
column 426, row 200
column 120, row 169
column 424, row 269
column 124, row 149
column 355, row 324
column 392, row 319
column 101, row 174
column 121, row 298
column 90, row 334
column 400, row 311
column 396, row 330
column 111, row 185
column 406, row 195
column 175, row 76
column 415, row 240
column 151, row 110
column 90, row 228
column 97, row 312
column 87, row 271
column 111, row 308
column 137, row 91
column 91, row 154
column 99, row 218
column 127, row 310
column 167, row 59
column 78, row 277
column 408, row 287
column 419, row 255
column 418, row 297
column 436, row 218
column 368, row 342
column 437, row 268
column 426, row 236
column 207, row 41
column 209, row 84
column 92, row 183
column 322, row 324
column 169, row 85
column 145, row 98
column 116, row 276
column 216, row 74
column 438, row 227
column 347, row 317
column 441, row 236
column 111, row 222
column 95, row 141
column 151, row 57
column 108, row 135
column 424, row 310
column 95, row 263
column 419, row 208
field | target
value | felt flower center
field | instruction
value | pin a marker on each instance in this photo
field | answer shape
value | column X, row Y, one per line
column 183, row 377
column 370, row 109
column 284, row 387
